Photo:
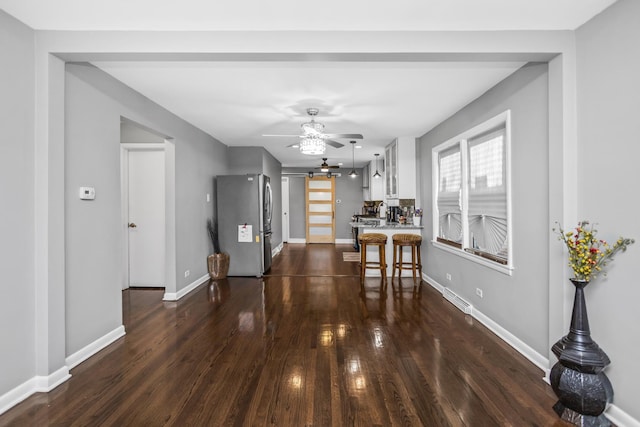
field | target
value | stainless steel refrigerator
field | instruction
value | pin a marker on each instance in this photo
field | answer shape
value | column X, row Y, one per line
column 245, row 206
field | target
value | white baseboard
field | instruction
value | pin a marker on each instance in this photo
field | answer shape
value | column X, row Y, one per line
column 344, row 241
column 37, row 384
column 520, row 346
column 620, row 418
column 175, row 296
column 297, row 241
column 86, row 352
column 275, row 251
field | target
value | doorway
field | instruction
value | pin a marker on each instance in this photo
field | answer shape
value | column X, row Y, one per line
column 285, row 209
column 320, row 208
column 144, row 201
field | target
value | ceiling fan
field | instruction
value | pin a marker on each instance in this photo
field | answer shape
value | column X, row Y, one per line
column 313, row 140
column 324, row 167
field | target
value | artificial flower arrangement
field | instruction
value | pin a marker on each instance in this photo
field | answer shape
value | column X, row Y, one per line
column 587, row 254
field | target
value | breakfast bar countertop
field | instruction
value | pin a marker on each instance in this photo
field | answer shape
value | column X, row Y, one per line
column 388, row 226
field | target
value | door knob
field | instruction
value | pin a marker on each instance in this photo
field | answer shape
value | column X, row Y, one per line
column 132, row 225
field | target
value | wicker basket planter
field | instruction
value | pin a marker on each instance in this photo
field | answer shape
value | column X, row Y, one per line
column 218, row 265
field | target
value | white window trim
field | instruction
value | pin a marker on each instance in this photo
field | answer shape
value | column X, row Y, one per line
column 462, row 139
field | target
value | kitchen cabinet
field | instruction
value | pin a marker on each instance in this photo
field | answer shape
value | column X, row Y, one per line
column 366, row 178
column 391, row 170
column 400, row 171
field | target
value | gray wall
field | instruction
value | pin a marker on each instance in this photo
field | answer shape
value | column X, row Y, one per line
column 94, row 242
column 244, row 160
column 297, row 208
column 519, row 303
column 608, row 59
column 17, row 316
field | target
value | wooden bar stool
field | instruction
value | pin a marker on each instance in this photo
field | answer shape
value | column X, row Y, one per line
column 373, row 239
column 401, row 240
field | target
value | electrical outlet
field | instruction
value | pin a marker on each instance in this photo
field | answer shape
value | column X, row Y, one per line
column 187, row 273
column 479, row 292
column 448, row 277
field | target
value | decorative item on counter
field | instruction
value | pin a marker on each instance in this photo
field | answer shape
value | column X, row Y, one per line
column 417, row 216
column 578, row 378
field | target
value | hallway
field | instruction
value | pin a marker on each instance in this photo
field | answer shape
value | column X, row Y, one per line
column 303, row 346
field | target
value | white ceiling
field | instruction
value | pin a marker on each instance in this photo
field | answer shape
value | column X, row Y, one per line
column 238, row 102
column 289, row 15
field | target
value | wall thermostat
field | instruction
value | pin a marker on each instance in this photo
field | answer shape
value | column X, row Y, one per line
column 87, row 193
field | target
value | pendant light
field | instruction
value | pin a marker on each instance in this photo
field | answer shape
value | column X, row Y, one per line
column 353, row 172
column 377, row 174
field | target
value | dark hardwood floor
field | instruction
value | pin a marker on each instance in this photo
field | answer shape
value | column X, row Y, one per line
column 303, row 346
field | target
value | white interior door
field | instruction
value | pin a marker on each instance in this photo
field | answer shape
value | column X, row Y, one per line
column 285, row 209
column 146, row 214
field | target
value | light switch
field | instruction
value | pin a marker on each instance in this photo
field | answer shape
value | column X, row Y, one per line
column 87, row 193
column 208, row 197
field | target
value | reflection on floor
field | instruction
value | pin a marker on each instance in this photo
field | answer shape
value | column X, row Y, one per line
column 304, row 346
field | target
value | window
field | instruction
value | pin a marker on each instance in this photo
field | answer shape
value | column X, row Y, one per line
column 449, row 191
column 471, row 194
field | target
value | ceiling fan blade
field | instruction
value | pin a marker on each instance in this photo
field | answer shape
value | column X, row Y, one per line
column 293, row 136
column 334, row 144
column 344, row 135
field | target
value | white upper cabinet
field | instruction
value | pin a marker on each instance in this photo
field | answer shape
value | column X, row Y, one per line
column 400, row 170
column 391, row 170
column 366, row 175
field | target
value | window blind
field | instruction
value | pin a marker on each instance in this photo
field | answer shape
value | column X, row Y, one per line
column 487, row 206
column 449, row 193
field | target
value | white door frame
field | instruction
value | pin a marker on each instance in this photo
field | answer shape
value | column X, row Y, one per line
column 285, row 209
column 170, row 254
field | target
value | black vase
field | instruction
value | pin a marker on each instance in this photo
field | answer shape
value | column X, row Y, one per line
column 583, row 390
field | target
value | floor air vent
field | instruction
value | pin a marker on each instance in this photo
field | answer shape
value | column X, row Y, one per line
column 454, row 299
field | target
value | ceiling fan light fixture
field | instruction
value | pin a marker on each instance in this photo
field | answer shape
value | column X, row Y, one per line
column 312, row 145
